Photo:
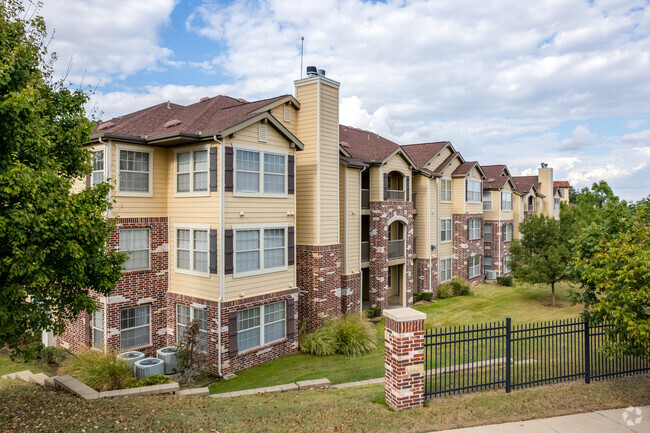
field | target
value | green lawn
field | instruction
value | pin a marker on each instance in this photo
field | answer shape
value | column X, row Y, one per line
column 9, row 366
column 523, row 303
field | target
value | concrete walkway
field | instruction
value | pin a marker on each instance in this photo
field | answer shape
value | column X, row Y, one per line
column 603, row 421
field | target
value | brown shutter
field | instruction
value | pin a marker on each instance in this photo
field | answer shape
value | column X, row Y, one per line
column 406, row 184
column 291, row 175
column 213, row 251
column 232, row 333
column 213, row 169
column 89, row 329
column 229, row 168
column 228, row 252
column 291, row 318
column 88, row 181
column 385, row 186
column 466, row 186
column 291, row 248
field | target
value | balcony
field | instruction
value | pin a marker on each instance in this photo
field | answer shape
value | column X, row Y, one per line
column 396, row 195
column 531, row 208
column 396, row 249
column 365, row 199
column 365, row 251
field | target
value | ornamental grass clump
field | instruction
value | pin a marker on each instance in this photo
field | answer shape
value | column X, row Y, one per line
column 100, row 371
column 349, row 335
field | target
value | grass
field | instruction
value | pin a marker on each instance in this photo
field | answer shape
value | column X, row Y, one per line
column 523, row 303
column 25, row 407
column 9, row 366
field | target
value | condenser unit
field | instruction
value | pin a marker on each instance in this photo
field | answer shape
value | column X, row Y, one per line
column 148, row 367
column 131, row 357
column 490, row 274
column 168, row 355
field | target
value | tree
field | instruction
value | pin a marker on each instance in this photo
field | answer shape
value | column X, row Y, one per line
column 543, row 253
column 52, row 240
column 190, row 351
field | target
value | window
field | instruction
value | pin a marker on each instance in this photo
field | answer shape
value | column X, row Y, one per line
column 557, row 203
column 560, row 192
column 506, row 264
column 260, row 172
column 262, row 136
column 506, row 200
column 184, row 316
column 507, row 232
column 473, row 191
column 260, row 326
column 445, row 270
column 487, row 233
column 134, row 171
column 97, row 326
column 192, row 171
column 487, row 263
column 445, row 190
column 445, row 229
column 260, row 249
column 98, row 168
column 135, row 242
column 135, row 327
column 487, row 200
column 192, row 250
column 473, row 228
column 473, row 266
column 287, row 114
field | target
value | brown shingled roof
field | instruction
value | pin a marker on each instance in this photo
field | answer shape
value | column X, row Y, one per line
column 422, row 153
column 466, row 167
column 561, row 184
column 446, row 162
column 525, row 183
column 496, row 176
column 365, row 145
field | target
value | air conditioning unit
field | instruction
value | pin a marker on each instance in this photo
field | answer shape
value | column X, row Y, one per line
column 148, row 367
column 490, row 274
column 168, row 354
column 131, row 357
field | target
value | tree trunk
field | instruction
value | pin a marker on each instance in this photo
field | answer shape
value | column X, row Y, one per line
column 553, row 293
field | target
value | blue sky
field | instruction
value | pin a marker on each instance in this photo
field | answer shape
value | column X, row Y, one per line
column 506, row 81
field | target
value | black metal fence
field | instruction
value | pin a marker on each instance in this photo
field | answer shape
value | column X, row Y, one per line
column 502, row 355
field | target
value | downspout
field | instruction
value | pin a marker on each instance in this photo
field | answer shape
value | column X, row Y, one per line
column 108, row 161
column 361, row 237
column 222, row 246
column 437, row 230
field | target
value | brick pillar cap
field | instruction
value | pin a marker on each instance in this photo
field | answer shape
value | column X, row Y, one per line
column 404, row 315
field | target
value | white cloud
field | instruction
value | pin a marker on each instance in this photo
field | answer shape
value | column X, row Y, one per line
column 580, row 137
column 635, row 123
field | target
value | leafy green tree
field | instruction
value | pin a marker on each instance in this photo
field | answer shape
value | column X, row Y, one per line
column 544, row 252
column 597, row 196
column 52, row 240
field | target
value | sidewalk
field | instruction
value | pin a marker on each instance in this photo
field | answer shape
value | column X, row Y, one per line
column 602, row 421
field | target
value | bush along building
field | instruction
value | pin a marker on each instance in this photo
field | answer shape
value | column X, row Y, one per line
column 256, row 217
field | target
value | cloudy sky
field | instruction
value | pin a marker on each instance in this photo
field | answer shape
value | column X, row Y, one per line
column 566, row 82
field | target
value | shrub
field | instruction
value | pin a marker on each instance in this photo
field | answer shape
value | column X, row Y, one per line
column 460, row 288
column 426, row 296
column 53, row 355
column 445, row 291
column 416, row 297
column 190, row 355
column 32, row 351
column 373, row 312
column 349, row 335
column 154, row 379
column 504, row 281
column 99, row 370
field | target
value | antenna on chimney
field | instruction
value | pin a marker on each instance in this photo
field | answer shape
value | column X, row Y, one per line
column 302, row 53
column 544, row 165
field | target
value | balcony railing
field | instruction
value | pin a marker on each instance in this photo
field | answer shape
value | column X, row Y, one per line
column 531, row 208
column 396, row 195
column 396, row 249
column 365, row 199
column 365, row 251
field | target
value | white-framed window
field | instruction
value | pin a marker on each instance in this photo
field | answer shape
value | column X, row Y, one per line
column 191, row 166
column 260, row 172
column 135, row 327
column 135, row 242
column 261, row 325
column 193, row 250
column 506, row 264
column 473, row 228
column 445, row 229
column 473, row 266
column 445, row 269
column 487, row 200
column 445, row 190
column 184, row 316
column 287, row 114
column 99, row 167
column 473, row 191
column 262, row 133
column 557, row 203
column 97, row 326
column 259, row 249
column 487, row 263
column 506, row 200
column 134, row 171
column 507, row 232
column 487, row 232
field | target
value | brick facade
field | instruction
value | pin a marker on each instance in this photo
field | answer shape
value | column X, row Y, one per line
column 381, row 215
column 351, row 293
column 318, row 270
column 464, row 248
column 498, row 249
column 427, row 275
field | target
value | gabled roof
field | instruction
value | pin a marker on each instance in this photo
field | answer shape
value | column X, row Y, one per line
column 525, row 183
column 220, row 115
column 422, row 153
column 367, row 146
column 352, row 162
column 447, row 161
column 561, row 184
column 466, row 167
column 496, row 176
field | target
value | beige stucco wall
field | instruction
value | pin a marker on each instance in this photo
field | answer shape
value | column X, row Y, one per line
column 350, row 219
column 420, row 220
column 461, row 206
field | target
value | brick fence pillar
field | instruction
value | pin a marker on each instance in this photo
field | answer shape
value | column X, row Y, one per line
column 404, row 358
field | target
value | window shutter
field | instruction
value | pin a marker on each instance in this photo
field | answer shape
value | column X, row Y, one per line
column 229, row 252
column 232, row 333
column 89, row 330
column 291, row 174
column 466, row 191
column 406, row 184
column 213, row 251
column 291, row 318
column 469, row 229
column 385, row 186
column 88, row 181
column 213, row 169
column 291, row 251
column 229, row 168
